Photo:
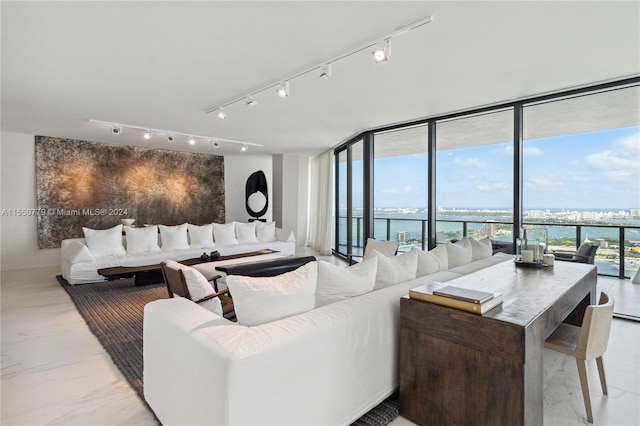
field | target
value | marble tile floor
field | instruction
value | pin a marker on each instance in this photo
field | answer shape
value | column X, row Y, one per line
column 54, row 371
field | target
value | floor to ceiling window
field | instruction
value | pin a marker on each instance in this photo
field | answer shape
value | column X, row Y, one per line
column 474, row 176
column 567, row 164
column 400, row 184
column 350, row 196
column 581, row 174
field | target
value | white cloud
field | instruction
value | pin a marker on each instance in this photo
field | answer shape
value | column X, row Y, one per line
column 532, row 151
column 492, row 187
column 611, row 160
column 473, row 163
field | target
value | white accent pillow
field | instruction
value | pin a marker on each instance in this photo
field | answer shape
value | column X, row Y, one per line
column 246, row 232
column 264, row 299
column 480, row 249
column 266, row 231
column 77, row 252
column 458, row 253
column 395, row 269
column 174, row 237
column 201, row 236
column 386, row 248
column 440, row 254
column 337, row 283
column 142, row 240
column 104, row 242
column 224, row 234
column 198, row 287
column 428, row 263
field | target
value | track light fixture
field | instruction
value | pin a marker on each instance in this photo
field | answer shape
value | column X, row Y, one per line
column 326, row 71
column 147, row 134
column 251, row 102
column 244, row 148
column 283, row 89
column 116, row 129
column 382, row 52
column 380, row 55
column 221, row 114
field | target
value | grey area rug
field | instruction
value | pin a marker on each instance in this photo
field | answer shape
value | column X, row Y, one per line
column 114, row 312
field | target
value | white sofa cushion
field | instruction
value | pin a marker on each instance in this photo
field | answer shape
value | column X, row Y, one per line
column 224, row 234
column 428, row 263
column 142, row 240
column 458, row 253
column 198, row 287
column 201, row 236
column 260, row 300
column 266, row 231
column 440, row 254
column 174, row 237
column 246, row 232
column 337, row 283
column 76, row 252
column 395, row 269
column 386, row 248
column 480, row 249
column 104, row 242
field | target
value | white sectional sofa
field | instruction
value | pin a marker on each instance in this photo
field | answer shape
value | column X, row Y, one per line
column 80, row 265
column 326, row 366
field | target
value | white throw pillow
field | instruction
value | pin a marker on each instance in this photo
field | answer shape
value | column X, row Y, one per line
column 440, row 254
column 337, row 283
column 458, row 253
column 104, row 242
column 77, row 252
column 428, row 263
column 174, row 237
column 386, row 248
column 264, row 299
column 142, row 240
column 201, row 236
column 395, row 269
column 198, row 287
column 224, row 234
column 266, row 231
column 246, row 232
column 480, row 249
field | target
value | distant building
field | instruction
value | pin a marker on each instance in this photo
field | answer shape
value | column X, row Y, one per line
column 403, row 236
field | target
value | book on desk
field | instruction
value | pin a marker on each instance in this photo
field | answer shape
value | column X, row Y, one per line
column 477, row 302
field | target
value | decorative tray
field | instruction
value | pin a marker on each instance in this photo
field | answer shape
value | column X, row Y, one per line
column 537, row 264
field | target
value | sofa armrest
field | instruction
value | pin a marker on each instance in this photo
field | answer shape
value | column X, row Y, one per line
column 285, row 235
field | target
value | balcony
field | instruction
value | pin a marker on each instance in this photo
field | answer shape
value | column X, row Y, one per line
column 618, row 254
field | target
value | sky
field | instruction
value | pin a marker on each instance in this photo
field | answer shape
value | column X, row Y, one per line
column 594, row 170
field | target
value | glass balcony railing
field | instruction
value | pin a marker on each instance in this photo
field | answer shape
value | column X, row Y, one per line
column 618, row 252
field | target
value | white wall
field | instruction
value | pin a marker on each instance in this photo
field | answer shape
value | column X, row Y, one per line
column 19, row 240
column 291, row 194
column 18, row 234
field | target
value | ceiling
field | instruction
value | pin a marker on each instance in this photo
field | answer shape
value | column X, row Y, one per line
column 162, row 64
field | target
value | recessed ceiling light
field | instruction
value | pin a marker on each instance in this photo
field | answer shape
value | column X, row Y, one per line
column 221, row 114
column 169, row 137
column 116, row 130
column 215, row 144
column 244, row 148
column 192, row 141
column 147, row 134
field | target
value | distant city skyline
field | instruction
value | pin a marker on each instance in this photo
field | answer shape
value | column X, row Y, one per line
column 598, row 170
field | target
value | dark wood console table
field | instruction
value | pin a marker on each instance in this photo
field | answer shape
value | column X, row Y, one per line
column 459, row 368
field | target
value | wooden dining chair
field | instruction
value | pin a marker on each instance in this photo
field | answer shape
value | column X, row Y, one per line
column 586, row 342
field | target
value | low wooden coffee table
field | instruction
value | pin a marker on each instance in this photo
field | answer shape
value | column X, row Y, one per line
column 152, row 274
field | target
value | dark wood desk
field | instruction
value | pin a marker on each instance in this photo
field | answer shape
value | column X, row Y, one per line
column 459, row 368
